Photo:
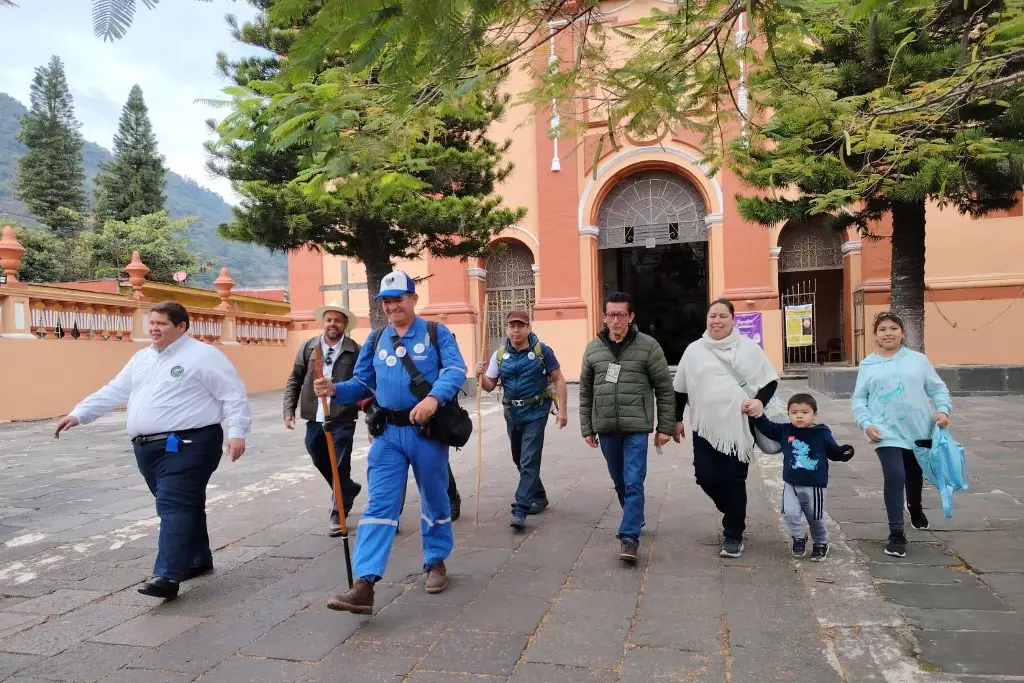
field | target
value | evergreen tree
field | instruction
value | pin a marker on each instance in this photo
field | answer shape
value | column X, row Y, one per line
column 825, row 139
column 51, row 180
column 160, row 241
column 133, row 183
column 373, row 200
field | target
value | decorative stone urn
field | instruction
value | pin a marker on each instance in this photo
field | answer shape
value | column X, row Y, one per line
column 137, row 271
column 224, row 285
column 11, row 252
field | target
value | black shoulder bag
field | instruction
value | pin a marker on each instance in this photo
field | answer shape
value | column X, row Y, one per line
column 451, row 424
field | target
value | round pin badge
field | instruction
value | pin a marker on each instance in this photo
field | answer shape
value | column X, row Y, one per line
column 391, row 361
column 419, row 348
column 506, row 356
column 400, row 351
column 383, row 355
column 531, row 355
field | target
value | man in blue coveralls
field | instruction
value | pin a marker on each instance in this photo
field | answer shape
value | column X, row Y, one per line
column 380, row 371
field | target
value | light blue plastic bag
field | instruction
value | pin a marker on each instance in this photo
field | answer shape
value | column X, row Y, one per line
column 944, row 466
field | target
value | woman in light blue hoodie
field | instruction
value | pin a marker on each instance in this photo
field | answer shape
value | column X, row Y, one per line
column 898, row 399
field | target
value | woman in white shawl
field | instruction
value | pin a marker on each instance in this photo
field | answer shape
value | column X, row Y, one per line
column 720, row 411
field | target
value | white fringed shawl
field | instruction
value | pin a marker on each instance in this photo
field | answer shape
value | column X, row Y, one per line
column 715, row 399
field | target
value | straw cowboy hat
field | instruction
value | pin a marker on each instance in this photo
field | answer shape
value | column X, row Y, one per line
column 336, row 306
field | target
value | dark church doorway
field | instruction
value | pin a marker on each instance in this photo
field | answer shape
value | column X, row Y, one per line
column 653, row 242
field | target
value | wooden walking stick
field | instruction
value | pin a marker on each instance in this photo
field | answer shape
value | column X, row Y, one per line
column 479, row 414
column 338, row 501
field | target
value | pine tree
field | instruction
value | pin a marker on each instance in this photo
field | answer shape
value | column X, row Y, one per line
column 375, row 201
column 51, row 180
column 133, row 183
column 826, row 141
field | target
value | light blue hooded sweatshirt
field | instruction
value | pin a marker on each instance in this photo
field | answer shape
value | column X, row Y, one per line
column 897, row 396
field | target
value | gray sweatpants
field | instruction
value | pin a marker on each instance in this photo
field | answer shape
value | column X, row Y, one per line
column 804, row 501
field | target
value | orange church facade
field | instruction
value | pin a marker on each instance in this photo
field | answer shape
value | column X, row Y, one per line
column 652, row 221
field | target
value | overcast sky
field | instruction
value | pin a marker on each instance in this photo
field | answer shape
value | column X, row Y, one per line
column 169, row 51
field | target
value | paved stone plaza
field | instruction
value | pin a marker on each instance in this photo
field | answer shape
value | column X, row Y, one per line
column 553, row 604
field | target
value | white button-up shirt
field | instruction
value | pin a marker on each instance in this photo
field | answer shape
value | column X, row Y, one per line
column 186, row 386
column 326, row 371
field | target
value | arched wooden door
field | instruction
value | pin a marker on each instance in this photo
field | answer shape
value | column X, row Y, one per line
column 510, row 286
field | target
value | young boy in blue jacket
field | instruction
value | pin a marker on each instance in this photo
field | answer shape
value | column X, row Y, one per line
column 806, row 449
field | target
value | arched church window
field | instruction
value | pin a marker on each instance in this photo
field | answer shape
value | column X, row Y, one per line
column 651, row 205
column 810, row 246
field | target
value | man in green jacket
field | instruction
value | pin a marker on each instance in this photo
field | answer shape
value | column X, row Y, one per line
column 624, row 374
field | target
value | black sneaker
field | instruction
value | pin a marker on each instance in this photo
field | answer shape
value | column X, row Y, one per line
column 799, row 546
column 819, row 552
column 897, row 545
column 731, row 548
column 917, row 518
column 456, row 509
column 628, row 552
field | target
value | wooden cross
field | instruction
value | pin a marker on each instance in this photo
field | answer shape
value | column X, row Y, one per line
column 344, row 286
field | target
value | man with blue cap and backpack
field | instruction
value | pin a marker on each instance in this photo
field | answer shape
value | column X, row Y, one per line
column 526, row 368
column 414, row 374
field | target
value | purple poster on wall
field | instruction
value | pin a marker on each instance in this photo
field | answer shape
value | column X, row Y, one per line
column 749, row 325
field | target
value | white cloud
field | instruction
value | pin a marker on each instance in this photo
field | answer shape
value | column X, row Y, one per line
column 169, row 51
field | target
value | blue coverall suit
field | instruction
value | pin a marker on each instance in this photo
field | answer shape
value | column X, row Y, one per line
column 392, row 452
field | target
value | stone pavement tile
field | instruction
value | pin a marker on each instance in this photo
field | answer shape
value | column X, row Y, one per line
column 245, row 670
column 268, row 567
column 993, row 551
column 214, row 597
column 148, row 630
column 13, row 622
column 60, row 633
column 366, row 663
column 57, row 602
column 584, row 629
column 757, row 656
column 144, row 676
column 496, row 533
column 916, row 573
column 677, row 631
column 943, row 597
column 551, row 550
column 401, row 625
column 522, row 583
column 965, row 620
column 528, row 672
column 447, row 677
column 307, row 546
column 495, row 654
column 1004, row 584
column 671, row 595
column 84, row 663
column 917, row 553
column 600, row 569
column 502, row 613
column 114, row 579
column 662, row 666
column 462, row 590
column 478, row 561
column 11, row 663
column 972, row 652
column 27, row 589
column 307, row 636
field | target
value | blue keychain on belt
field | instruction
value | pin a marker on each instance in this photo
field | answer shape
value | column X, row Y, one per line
column 172, row 444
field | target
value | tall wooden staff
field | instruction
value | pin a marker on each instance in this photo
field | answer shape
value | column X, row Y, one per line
column 317, row 374
column 479, row 414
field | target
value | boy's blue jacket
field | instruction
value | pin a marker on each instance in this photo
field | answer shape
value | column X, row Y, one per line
column 805, row 451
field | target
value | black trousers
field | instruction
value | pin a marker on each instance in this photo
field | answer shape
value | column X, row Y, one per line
column 724, row 479
column 316, row 446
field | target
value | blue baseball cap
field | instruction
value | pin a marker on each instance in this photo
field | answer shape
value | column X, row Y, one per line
column 396, row 284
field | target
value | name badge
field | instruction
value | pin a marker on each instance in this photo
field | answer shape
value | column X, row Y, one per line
column 612, row 374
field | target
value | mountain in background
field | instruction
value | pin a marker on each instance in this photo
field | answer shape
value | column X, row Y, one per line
column 250, row 265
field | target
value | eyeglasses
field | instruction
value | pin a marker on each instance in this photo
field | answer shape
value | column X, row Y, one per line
column 616, row 316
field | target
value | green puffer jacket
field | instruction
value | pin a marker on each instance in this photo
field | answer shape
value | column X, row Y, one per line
column 627, row 405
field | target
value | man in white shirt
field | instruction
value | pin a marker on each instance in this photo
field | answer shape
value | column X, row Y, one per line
column 339, row 359
column 178, row 391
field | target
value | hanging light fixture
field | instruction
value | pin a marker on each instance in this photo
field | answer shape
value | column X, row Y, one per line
column 556, row 163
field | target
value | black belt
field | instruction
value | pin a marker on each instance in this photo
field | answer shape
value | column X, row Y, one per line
column 399, row 418
column 518, row 402
column 148, row 438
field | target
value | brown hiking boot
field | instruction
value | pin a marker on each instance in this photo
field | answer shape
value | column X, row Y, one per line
column 437, row 578
column 358, row 599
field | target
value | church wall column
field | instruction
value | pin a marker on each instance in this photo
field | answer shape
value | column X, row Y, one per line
column 851, row 281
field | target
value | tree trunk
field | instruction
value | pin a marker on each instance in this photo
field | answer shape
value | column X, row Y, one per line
column 907, row 283
column 374, row 255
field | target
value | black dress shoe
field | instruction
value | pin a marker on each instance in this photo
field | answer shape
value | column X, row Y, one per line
column 159, row 587
column 196, row 572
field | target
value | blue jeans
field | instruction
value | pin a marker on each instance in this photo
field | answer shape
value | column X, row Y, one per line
column 316, row 446
column 626, row 455
column 178, row 481
column 527, row 446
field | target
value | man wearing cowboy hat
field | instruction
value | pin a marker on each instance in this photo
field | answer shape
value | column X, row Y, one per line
column 339, row 354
